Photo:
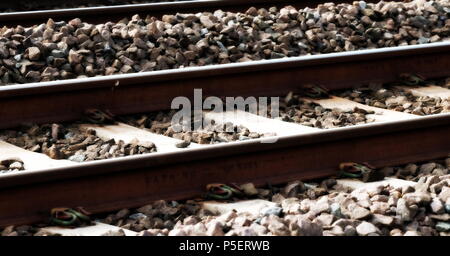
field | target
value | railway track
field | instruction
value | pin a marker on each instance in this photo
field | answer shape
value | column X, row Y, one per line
column 173, row 173
column 313, row 136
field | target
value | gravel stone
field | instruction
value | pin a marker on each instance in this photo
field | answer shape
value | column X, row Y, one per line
column 294, row 188
column 427, row 168
column 379, row 219
column 366, row 228
column 360, row 213
column 215, row 229
column 325, row 219
column 77, row 158
column 320, row 206
column 267, row 211
column 350, row 231
column 207, row 22
column 291, row 205
column 308, row 228
column 411, row 233
column 437, row 206
column 34, row 53
column 417, row 198
column 445, row 194
column 443, row 226
column 276, row 226
column 396, row 232
column 403, row 210
column 249, row 189
column 335, row 209
column 16, row 165
column 11, row 165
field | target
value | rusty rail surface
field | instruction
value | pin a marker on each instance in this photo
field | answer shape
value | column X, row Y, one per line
column 103, row 14
column 108, row 185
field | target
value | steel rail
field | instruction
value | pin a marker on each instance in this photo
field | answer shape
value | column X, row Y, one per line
column 113, row 184
column 66, row 100
column 111, row 13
